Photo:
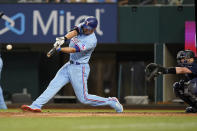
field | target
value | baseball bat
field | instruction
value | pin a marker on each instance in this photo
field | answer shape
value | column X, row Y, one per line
column 51, row 52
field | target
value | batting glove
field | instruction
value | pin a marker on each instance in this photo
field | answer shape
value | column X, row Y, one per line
column 59, row 41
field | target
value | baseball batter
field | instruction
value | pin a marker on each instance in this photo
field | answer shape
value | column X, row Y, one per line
column 2, row 102
column 82, row 44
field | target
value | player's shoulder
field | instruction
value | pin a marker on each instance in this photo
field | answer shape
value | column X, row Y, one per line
column 91, row 40
column 94, row 39
column 91, row 37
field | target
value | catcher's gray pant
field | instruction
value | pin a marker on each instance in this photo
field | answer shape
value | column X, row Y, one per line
column 187, row 92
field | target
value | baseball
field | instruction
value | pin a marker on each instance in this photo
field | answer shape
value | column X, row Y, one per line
column 9, row 47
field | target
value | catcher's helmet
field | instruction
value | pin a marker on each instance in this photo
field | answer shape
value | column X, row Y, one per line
column 186, row 54
column 90, row 23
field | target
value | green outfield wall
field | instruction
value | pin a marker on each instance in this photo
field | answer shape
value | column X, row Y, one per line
column 158, row 25
column 151, row 24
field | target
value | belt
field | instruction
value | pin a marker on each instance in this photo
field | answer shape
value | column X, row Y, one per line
column 76, row 63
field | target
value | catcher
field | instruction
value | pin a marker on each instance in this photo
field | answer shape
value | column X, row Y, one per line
column 186, row 88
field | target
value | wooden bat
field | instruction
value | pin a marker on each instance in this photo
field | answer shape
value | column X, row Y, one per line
column 53, row 50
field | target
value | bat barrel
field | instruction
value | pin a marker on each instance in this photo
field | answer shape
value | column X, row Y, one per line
column 51, row 52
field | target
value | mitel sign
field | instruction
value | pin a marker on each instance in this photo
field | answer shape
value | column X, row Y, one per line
column 41, row 23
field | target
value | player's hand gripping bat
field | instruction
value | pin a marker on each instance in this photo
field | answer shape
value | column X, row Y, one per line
column 59, row 41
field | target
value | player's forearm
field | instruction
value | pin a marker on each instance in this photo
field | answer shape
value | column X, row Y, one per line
column 182, row 70
column 71, row 34
column 67, row 50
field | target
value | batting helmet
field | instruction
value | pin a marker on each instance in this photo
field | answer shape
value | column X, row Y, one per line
column 90, row 23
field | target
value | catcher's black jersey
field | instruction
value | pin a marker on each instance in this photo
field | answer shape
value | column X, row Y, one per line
column 193, row 68
column 192, row 77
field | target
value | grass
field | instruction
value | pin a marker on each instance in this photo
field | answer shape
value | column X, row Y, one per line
column 99, row 123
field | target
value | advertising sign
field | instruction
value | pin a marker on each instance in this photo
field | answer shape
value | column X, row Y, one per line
column 42, row 23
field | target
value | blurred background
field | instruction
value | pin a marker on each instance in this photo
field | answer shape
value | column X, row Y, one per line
column 131, row 34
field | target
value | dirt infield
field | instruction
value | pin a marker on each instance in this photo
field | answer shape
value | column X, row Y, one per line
column 94, row 114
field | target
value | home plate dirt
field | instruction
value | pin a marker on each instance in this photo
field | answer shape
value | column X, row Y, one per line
column 92, row 114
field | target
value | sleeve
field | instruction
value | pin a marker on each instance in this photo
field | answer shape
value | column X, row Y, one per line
column 193, row 68
column 80, row 46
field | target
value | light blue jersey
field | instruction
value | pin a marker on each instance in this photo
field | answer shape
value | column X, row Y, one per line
column 84, row 45
column 2, row 102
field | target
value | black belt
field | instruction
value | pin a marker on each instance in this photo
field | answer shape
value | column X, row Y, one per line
column 76, row 63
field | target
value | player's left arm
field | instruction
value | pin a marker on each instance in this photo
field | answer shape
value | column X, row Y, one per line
column 71, row 34
column 153, row 70
column 187, row 70
column 79, row 47
column 183, row 70
column 60, row 41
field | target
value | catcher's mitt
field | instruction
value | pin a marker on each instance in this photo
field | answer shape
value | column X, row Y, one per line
column 153, row 70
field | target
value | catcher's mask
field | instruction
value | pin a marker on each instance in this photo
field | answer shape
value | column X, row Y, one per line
column 184, row 56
